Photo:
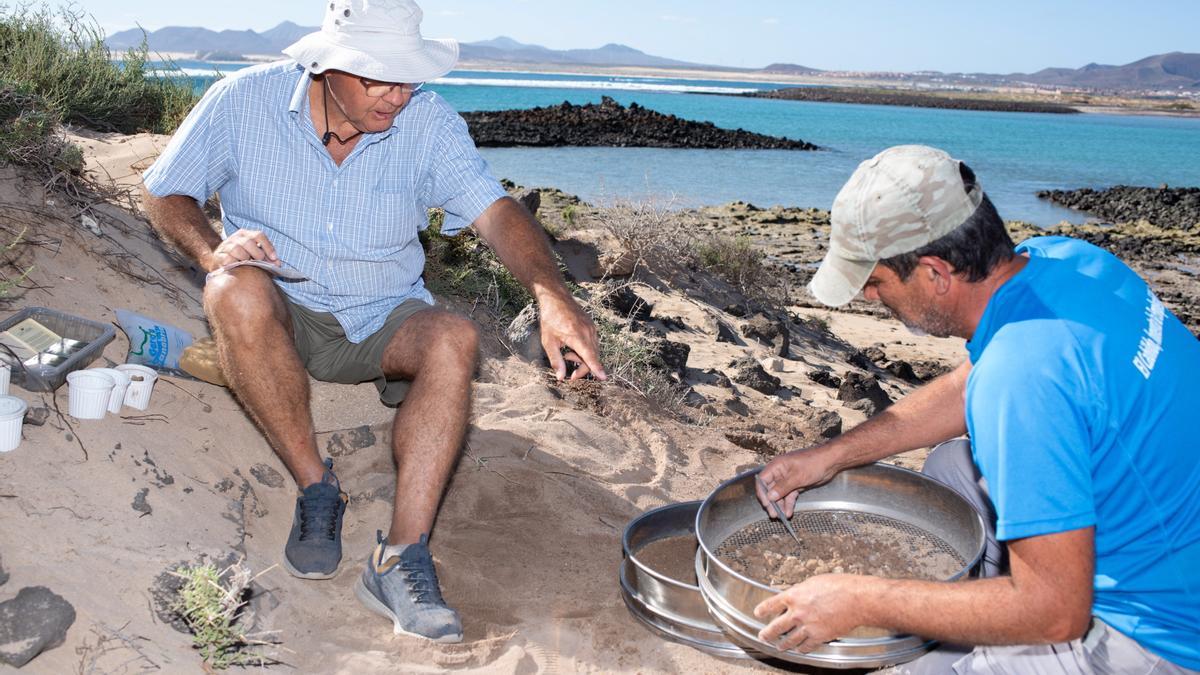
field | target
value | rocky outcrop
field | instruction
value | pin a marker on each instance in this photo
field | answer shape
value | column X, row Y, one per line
column 611, row 124
column 908, row 99
column 1166, row 207
column 34, row 621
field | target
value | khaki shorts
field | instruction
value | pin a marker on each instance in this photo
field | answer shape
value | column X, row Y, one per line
column 330, row 357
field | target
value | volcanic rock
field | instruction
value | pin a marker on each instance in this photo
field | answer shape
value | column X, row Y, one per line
column 856, row 387
column 613, row 125
column 1166, row 207
column 34, row 621
column 750, row 373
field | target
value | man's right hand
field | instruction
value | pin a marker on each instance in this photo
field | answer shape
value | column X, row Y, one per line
column 787, row 474
column 243, row 245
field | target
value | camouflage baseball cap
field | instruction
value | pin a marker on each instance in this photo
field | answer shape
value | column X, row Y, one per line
column 898, row 201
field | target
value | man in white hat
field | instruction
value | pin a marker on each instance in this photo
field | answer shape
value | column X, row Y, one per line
column 326, row 165
column 1079, row 399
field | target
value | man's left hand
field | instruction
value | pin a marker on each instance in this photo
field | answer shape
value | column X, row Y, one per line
column 565, row 326
column 811, row 613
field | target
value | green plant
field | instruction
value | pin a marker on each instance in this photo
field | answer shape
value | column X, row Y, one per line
column 634, row 362
column 63, row 60
column 463, row 266
column 569, row 213
column 211, row 603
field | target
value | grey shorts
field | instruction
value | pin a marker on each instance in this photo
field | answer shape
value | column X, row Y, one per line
column 330, row 357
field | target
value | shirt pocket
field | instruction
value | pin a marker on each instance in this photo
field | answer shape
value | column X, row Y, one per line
column 388, row 222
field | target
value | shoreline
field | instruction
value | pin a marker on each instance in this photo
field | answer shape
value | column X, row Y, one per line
column 1084, row 102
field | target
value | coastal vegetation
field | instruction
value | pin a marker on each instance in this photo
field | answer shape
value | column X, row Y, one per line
column 60, row 61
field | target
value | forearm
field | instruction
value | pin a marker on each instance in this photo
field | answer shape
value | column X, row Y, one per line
column 929, row 415
column 179, row 220
column 522, row 246
column 991, row 611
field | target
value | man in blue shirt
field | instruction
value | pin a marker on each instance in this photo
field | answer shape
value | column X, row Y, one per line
column 326, row 165
column 1079, row 401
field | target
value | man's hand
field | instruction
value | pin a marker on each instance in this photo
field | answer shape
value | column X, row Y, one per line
column 565, row 325
column 787, row 474
column 243, row 245
column 811, row 613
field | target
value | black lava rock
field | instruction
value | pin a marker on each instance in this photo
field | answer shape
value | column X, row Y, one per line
column 673, row 356
column 751, row 374
column 1166, row 207
column 825, row 378
column 629, row 304
column 34, row 621
column 856, row 387
column 725, row 333
column 613, row 125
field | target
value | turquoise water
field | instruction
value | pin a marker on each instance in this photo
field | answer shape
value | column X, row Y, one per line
column 1014, row 154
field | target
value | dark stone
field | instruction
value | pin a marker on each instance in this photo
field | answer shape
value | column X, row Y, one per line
column 717, row 378
column 866, row 405
column 36, row 417
column 876, row 355
column 751, row 374
column 903, row 370
column 725, row 333
column 267, row 475
column 735, row 310
column 859, row 360
column 673, row 323
column 737, row 407
column 530, row 199
column 825, row 378
column 3, row 574
column 610, row 124
column 928, row 370
column 828, row 424
column 34, row 621
column 225, row 485
column 856, row 387
column 760, row 327
column 783, row 345
column 625, row 302
column 674, row 356
column 140, row 504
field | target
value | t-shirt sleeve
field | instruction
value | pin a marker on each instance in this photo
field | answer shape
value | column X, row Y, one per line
column 460, row 182
column 198, row 159
column 1030, row 418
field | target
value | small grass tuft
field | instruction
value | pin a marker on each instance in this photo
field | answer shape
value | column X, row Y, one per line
column 464, row 266
column 212, row 604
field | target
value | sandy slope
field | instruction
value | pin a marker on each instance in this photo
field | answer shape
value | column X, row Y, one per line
column 528, row 539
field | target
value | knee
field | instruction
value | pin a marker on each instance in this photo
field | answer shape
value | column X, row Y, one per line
column 951, row 463
column 233, row 300
column 458, row 339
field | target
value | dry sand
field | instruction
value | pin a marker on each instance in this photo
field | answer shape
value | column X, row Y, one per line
column 528, row 538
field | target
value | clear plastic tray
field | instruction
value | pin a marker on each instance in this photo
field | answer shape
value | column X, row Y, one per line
column 82, row 341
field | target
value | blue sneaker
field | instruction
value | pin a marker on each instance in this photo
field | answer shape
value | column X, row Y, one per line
column 404, row 588
column 314, row 547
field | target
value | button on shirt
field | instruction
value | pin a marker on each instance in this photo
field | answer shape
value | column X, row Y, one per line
column 351, row 229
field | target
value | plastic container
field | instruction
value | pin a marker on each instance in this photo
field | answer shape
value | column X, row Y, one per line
column 121, row 379
column 141, row 384
column 49, row 373
column 12, row 416
column 89, row 391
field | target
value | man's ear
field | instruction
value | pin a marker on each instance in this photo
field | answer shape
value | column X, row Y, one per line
column 940, row 273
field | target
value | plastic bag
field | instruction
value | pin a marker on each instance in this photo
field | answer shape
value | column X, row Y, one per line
column 152, row 343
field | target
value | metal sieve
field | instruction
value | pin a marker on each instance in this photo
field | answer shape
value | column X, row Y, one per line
column 921, row 513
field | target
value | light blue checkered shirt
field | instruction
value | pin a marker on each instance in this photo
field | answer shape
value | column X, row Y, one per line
column 351, row 229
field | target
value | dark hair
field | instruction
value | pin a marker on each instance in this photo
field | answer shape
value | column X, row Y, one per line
column 973, row 248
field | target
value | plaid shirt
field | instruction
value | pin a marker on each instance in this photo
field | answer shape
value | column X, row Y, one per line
column 351, row 229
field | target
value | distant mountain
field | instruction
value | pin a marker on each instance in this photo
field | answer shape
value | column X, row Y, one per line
column 501, row 49
column 790, row 69
column 1176, row 70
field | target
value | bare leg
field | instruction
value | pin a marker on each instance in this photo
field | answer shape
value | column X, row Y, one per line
column 437, row 350
column 258, row 356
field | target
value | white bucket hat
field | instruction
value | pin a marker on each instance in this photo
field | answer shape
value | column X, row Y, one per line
column 376, row 39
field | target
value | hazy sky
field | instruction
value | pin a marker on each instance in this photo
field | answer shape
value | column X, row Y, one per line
column 904, row 35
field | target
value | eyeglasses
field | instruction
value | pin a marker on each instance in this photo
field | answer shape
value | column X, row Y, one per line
column 379, row 89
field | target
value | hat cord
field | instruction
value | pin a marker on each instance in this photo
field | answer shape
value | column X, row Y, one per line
column 329, row 135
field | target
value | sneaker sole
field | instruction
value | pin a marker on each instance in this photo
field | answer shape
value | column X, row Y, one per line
column 372, row 603
column 287, row 565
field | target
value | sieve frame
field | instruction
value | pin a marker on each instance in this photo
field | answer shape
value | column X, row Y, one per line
column 875, row 489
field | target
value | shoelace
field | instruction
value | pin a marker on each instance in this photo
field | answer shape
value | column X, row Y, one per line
column 318, row 516
column 421, row 577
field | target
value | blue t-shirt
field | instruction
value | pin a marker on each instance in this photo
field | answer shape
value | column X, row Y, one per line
column 1084, row 410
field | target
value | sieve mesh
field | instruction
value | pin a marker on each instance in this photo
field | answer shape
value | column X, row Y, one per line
column 914, row 544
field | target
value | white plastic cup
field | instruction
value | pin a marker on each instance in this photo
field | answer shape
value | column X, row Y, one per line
column 117, row 398
column 141, row 384
column 89, row 393
column 12, row 416
column 5, row 377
